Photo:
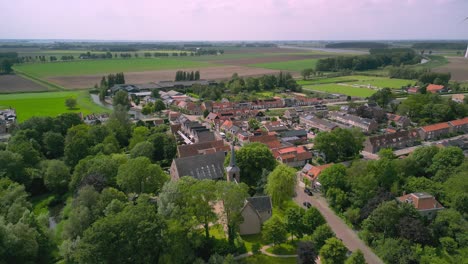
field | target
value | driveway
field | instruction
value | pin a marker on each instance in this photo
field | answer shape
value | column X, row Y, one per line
column 342, row 231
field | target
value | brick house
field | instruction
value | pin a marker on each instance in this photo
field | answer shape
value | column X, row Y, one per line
column 400, row 121
column 293, row 156
column 313, row 122
column 424, row 203
column 459, row 125
column 397, row 140
column 434, row 131
column 365, row 124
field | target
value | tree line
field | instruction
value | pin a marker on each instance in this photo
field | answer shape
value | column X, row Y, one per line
column 357, row 45
column 377, row 58
column 425, row 76
column 7, row 59
column 109, row 82
column 187, row 76
column 440, row 45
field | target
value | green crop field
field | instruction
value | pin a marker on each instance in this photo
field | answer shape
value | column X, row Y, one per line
column 341, row 89
column 380, row 82
column 88, row 67
column 292, row 65
column 49, row 104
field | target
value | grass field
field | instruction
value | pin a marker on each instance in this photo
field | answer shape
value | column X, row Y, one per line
column 293, row 65
column 262, row 259
column 341, row 89
column 380, row 82
column 87, row 67
column 49, row 104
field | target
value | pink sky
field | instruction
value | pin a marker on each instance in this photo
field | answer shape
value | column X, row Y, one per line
column 234, row 19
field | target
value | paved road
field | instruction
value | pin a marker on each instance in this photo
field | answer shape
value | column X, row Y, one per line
column 342, row 231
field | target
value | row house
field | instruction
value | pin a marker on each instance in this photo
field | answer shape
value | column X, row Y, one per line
column 307, row 101
column 190, row 107
column 397, row 140
column 275, row 102
column 312, row 122
column 434, row 131
column 270, row 140
column 459, row 125
column 293, row 156
column 365, row 124
column 275, row 126
column 195, row 130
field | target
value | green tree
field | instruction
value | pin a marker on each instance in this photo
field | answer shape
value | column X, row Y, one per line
column 142, row 149
column 294, row 223
column 254, row 124
column 320, row 235
column 333, row 252
column 274, row 231
column 77, row 143
column 139, row 175
column 70, row 103
column 53, row 144
column 56, row 176
column 281, row 184
column 121, row 98
column 445, row 160
column 339, row 144
column 356, row 258
column 333, row 177
column 12, row 166
column 119, row 124
column 382, row 97
column 159, row 106
column 252, row 159
column 139, row 134
column 311, row 220
column 136, row 234
column 233, row 197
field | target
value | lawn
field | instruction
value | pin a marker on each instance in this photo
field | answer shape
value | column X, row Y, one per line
column 49, row 104
column 380, row 82
column 263, row 259
column 288, row 248
column 341, row 89
column 292, row 65
column 89, row 67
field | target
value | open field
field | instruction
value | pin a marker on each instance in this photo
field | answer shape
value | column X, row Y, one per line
column 262, row 259
column 220, row 72
column 102, row 67
column 49, row 103
column 341, row 89
column 457, row 66
column 272, row 60
column 17, row 84
column 380, row 82
column 292, row 65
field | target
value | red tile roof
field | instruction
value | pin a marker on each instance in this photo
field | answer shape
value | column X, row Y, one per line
column 435, row 127
column 434, row 88
column 316, row 170
column 459, row 122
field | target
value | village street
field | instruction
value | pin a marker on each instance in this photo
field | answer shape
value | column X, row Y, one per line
column 342, row 231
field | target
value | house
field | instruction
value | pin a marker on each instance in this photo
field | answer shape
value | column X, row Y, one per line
column 413, row 90
column 397, row 140
column 208, row 166
column 293, row 156
column 312, row 122
column 424, row 203
column 400, row 121
column 195, row 130
column 365, row 124
column 434, row 88
column 434, row 131
column 459, row 98
column 201, row 148
column 294, row 136
column 270, row 140
column 459, row 125
column 291, row 116
column 275, row 126
column 255, row 212
column 312, row 172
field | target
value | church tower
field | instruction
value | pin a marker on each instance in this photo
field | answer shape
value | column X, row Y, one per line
column 232, row 171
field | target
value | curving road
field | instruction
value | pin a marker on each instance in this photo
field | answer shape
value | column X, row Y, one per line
column 342, row 231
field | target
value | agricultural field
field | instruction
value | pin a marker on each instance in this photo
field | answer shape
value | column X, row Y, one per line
column 457, row 66
column 345, row 89
column 49, row 104
column 291, row 65
column 85, row 67
column 18, row 84
column 219, row 72
column 379, row 82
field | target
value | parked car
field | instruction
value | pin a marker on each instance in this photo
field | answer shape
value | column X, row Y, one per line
column 308, row 191
column 307, row 204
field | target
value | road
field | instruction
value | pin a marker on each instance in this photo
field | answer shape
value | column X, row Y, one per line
column 342, row 231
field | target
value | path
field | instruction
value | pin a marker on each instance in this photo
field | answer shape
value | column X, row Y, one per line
column 342, row 231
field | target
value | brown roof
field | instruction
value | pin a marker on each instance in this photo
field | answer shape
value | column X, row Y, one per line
column 435, row 127
column 434, row 88
column 421, row 201
column 201, row 148
column 270, row 140
column 316, row 170
column 459, row 122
